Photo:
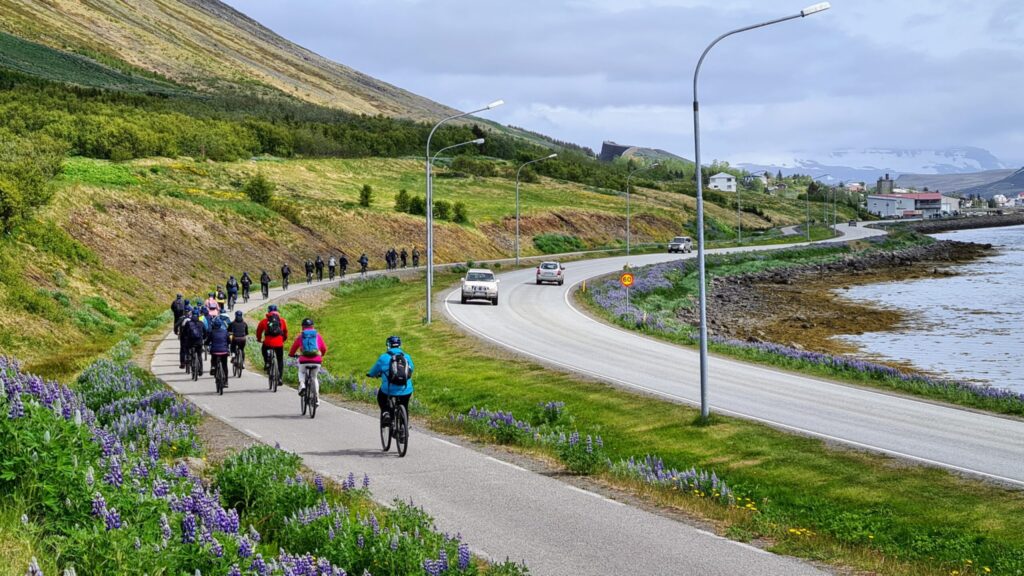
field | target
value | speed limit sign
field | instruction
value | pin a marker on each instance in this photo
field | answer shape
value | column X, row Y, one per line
column 626, row 279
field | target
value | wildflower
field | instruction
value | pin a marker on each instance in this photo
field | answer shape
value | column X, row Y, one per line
column 442, row 560
column 360, row 541
column 99, row 505
column 234, row 571
column 464, row 556
column 188, row 528
column 394, row 543
column 319, row 482
column 366, row 481
column 33, row 568
column 165, row 528
column 24, row 519
column 112, row 519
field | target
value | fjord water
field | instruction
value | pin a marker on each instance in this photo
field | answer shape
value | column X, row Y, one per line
column 966, row 327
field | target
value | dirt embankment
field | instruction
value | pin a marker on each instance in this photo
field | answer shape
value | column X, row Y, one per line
column 802, row 306
column 968, row 223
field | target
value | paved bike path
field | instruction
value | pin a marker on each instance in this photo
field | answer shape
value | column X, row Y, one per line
column 502, row 510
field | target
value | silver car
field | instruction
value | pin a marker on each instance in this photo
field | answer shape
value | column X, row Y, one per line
column 680, row 244
column 551, row 272
column 480, row 284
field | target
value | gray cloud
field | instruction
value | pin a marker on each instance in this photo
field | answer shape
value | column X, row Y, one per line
column 867, row 73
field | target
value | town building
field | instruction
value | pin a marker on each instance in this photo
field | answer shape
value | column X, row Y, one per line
column 722, row 181
column 950, row 205
column 885, row 185
column 1001, row 200
column 855, row 186
column 918, row 205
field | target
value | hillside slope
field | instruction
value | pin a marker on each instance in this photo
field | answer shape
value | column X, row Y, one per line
column 207, row 45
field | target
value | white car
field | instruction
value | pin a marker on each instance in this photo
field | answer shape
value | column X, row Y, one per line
column 680, row 244
column 551, row 272
column 480, row 284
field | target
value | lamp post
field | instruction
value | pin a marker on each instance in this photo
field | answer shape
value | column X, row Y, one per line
column 478, row 142
column 808, row 198
column 704, row 409
column 518, row 172
column 430, row 205
column 630, row 175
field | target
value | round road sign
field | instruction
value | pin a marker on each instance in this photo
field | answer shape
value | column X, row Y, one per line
column 626, row 279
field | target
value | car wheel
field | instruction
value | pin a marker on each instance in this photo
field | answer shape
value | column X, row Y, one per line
column 495, row 301
column 539, row 282
column 463, row 299
column 560, row 282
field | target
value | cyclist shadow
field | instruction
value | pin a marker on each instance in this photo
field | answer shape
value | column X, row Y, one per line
column 370, row 453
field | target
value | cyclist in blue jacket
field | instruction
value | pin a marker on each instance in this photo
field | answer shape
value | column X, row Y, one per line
column 381, row 369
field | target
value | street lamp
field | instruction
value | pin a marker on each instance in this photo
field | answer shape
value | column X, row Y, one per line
column 430, row 205
column 518, row 172
column 808, row 198
column 478, row 142
column 630, row 175
column 704, row 410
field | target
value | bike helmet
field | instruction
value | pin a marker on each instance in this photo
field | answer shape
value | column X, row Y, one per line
column 394, row 342
column 211, row 294
column 307, row 323
column 188, row 303
column 272, row 308
column 238, row 314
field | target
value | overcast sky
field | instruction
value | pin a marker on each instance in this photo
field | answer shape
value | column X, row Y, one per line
column 867, row 73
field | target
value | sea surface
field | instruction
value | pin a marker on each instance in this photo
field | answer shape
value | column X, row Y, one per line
column 965, row 327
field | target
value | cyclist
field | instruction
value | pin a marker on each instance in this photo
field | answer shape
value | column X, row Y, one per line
column 211, row 301
column 319, row 265
column 265, row 284
column 309, row 271
column 382, row 368
column 219, row 342
column 313, row 349
column 405, row 258
column 415, row 256
column 331, row 265
column 239, row 332
column 178, row 309
column 286, row 271
column 181, row 330
column 232, row 288
column 194, row 336
column 246, row 282
column 222, row 299
column 363, row 262
column 272, row 332
column 343, row 264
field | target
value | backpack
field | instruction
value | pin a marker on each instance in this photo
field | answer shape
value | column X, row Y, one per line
column 398, row 372
column 310, row 343
column 196, row 331
column 274, row 326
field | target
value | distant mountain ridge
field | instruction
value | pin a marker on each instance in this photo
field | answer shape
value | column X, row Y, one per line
column 613, row 150
column 207, row 46
column 952, row 182
column 1012, row 185
column 869, row 164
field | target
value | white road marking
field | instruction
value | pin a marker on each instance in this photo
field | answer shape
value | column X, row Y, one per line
column 509, row 464
column 251, row 433
column 442, row 441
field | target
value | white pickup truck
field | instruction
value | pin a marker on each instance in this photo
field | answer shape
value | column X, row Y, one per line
column 480, row 284
column 680, row 244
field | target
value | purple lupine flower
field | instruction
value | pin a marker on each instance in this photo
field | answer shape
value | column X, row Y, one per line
column 138, row 543
column 234, row 571
column 360, row 541
column 17, row 409
column 366, row 481
column 349, row 482
column 245, row 547
column 464, row 556
column 442, row 560
column 259, row 566
column 112, row 519
column 99, row 505
column 319, row 482
column 216, row 549
column 394, row 543
column 33, row 568
column 330, row 533
column 374, row 525
column 253, row 534
column 431, row 568
column 165, row 528
column 188, row 528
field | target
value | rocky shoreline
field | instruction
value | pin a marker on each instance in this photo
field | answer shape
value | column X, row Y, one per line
column 799, row 305
column 966, row 223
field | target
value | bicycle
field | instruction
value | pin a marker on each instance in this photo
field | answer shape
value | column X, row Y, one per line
column 220, row 378
column 232, row 300
column 398, row 428
column 265, row 288
column 238, row 362
column 197, row 364
column 284, row 283
column 273, row 371
column 308, row 400
column 245, row 294
column 309, row 278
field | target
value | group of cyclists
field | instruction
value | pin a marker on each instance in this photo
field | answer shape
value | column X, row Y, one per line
column 207, row 328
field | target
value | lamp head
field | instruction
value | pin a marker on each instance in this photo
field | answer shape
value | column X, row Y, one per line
column 478, row 141
column 497, row 103
column 815, row 8
column 552, row 156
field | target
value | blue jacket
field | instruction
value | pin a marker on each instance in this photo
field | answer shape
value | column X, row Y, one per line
column 381, row 369
column 219, row 341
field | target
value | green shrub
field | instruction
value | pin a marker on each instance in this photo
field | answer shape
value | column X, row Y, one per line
column 459, row 215
column 259, row 189
column 557, row 243
column 442, row 209
column 366, row 196
column 417, row 206
column 402, row 201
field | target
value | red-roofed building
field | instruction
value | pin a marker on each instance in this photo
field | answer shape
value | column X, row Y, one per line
column 915, row 205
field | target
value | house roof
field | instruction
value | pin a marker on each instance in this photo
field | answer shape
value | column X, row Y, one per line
column 724, row 175
column 913, row 196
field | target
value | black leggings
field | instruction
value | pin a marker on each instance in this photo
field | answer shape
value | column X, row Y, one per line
column 220, row 360
column 382, row 401
column 279, row 352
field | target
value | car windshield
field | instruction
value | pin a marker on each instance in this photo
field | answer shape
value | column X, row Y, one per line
column 480, row 277
column 680, row 239
column 549, row 266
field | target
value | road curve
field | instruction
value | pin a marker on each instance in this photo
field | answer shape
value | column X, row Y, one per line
column 502, row 510
column 969, row 442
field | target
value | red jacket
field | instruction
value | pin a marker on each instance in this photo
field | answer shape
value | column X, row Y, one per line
column 272, row 341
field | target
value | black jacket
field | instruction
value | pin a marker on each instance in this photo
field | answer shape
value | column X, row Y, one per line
column 238, row 330
column 265, row 278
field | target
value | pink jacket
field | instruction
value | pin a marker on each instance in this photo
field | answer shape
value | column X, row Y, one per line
column 303, row 359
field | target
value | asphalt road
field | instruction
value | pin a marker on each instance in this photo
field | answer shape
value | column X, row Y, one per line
column 542, row 322
column 502, row 510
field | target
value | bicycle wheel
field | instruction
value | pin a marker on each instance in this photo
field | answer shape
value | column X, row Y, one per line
column 272, row 372
column 218, row 377
column 197, row 366
column 385, row 435
column 311, row 398
column 188, row 364
column 401, row 431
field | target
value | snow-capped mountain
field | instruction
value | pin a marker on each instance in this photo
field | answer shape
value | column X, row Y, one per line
column 871, row 163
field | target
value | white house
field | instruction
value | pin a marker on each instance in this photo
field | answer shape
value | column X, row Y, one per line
column 920, row 205
column 722, row 181
column 1001, row 200
column 950, row 205
column 1019, row 200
